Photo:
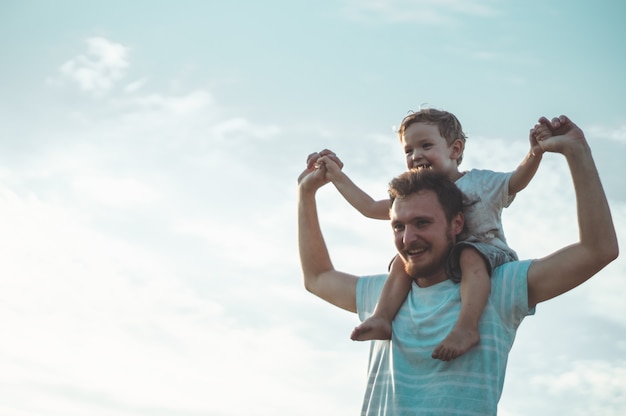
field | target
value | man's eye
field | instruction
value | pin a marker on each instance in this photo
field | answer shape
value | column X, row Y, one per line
column 398, row 227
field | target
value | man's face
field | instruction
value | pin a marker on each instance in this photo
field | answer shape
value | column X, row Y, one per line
column 423, row 236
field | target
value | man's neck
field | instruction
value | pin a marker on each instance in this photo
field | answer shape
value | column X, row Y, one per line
column 431, row 280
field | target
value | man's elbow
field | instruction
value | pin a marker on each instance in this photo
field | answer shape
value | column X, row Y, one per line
column 310, row 282
column 607, row 254
column 308, row 285
column 612, row 253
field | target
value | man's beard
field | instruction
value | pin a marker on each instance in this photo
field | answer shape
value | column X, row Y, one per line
column 435, row 265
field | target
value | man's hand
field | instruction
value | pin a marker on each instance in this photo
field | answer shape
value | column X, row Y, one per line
column 313, row 178
column 315, row 158
column 558, row 135
column 325, row 161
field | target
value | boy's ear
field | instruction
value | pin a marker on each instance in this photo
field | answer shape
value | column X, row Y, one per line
column 457, row 149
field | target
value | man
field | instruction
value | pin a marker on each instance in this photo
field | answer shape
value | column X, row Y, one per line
column 426, row 217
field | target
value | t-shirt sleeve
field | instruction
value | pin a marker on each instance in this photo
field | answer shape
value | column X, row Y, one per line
column 368, row 290
column 509, row 287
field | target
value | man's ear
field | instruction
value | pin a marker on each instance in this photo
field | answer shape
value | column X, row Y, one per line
column 458, row 222
column 456, row 149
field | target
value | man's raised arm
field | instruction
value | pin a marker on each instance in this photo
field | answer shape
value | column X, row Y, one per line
column 320, row 277
column 597, row 245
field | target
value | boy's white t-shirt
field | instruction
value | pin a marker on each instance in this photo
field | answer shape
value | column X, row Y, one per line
column 485, row 195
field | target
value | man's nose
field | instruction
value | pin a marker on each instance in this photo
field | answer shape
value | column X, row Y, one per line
column 409, row 235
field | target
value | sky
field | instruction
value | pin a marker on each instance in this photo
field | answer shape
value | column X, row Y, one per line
column 149, row 152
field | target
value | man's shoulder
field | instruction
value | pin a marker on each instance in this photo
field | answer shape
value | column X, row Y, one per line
column 509, row 291
column 371, row 282
column 368, row 290
column 512, row 270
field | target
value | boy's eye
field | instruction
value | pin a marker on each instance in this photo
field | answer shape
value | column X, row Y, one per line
column 427, row 145
column 408, row 151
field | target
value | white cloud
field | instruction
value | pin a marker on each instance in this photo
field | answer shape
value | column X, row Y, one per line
column 100, row 68
column 182, row 104
column 116, row 191
column 617, row 134
column 421, row 11
column 594, row 387
column 105, row 326
column 134, row 86
column 244, row 128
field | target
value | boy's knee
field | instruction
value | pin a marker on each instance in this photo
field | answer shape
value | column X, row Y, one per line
column 469, row 253
column 471, row 257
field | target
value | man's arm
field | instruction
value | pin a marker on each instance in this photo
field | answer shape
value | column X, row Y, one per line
column 320, row 277
column 597, row 245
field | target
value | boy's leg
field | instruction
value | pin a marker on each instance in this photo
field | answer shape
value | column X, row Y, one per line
column 475, row 288
column 395, row 290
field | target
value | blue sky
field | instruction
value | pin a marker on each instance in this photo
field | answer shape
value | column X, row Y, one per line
column 148, row 157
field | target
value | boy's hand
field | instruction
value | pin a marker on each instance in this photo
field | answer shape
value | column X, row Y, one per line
column 541, row 130
column 321, row 168
column 327, row 160
column 313, row 158
column 558, row 135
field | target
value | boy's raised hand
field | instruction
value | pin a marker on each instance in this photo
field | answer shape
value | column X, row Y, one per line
column 321, row 168
column 539, row 130
column 557, row 135
column 327, row 160
column 313, row 158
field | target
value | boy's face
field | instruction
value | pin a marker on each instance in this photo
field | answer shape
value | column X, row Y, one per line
column 424, row 147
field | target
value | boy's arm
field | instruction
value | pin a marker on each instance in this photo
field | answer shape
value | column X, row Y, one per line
column 524, row 173
column 597, row 245
column 320, row 277
column 363, row 203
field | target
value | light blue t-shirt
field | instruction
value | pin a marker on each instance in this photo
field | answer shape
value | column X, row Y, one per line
column 403, row 378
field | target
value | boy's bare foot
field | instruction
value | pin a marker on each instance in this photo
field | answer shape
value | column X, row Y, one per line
column 457, row 343
column 373, row 327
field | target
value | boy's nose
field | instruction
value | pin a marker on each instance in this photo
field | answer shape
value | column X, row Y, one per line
column 416, row 158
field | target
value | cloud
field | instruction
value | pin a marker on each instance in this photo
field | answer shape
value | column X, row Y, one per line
column 617, row 134
column 596, row 387
column 421, row 11
column 134, row 86
column 116, row 191
column 106, row 325
column 97, row 71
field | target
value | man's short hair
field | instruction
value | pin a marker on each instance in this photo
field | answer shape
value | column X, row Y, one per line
column 415, row 180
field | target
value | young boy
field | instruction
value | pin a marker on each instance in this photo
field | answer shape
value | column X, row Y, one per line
column 434, row 139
